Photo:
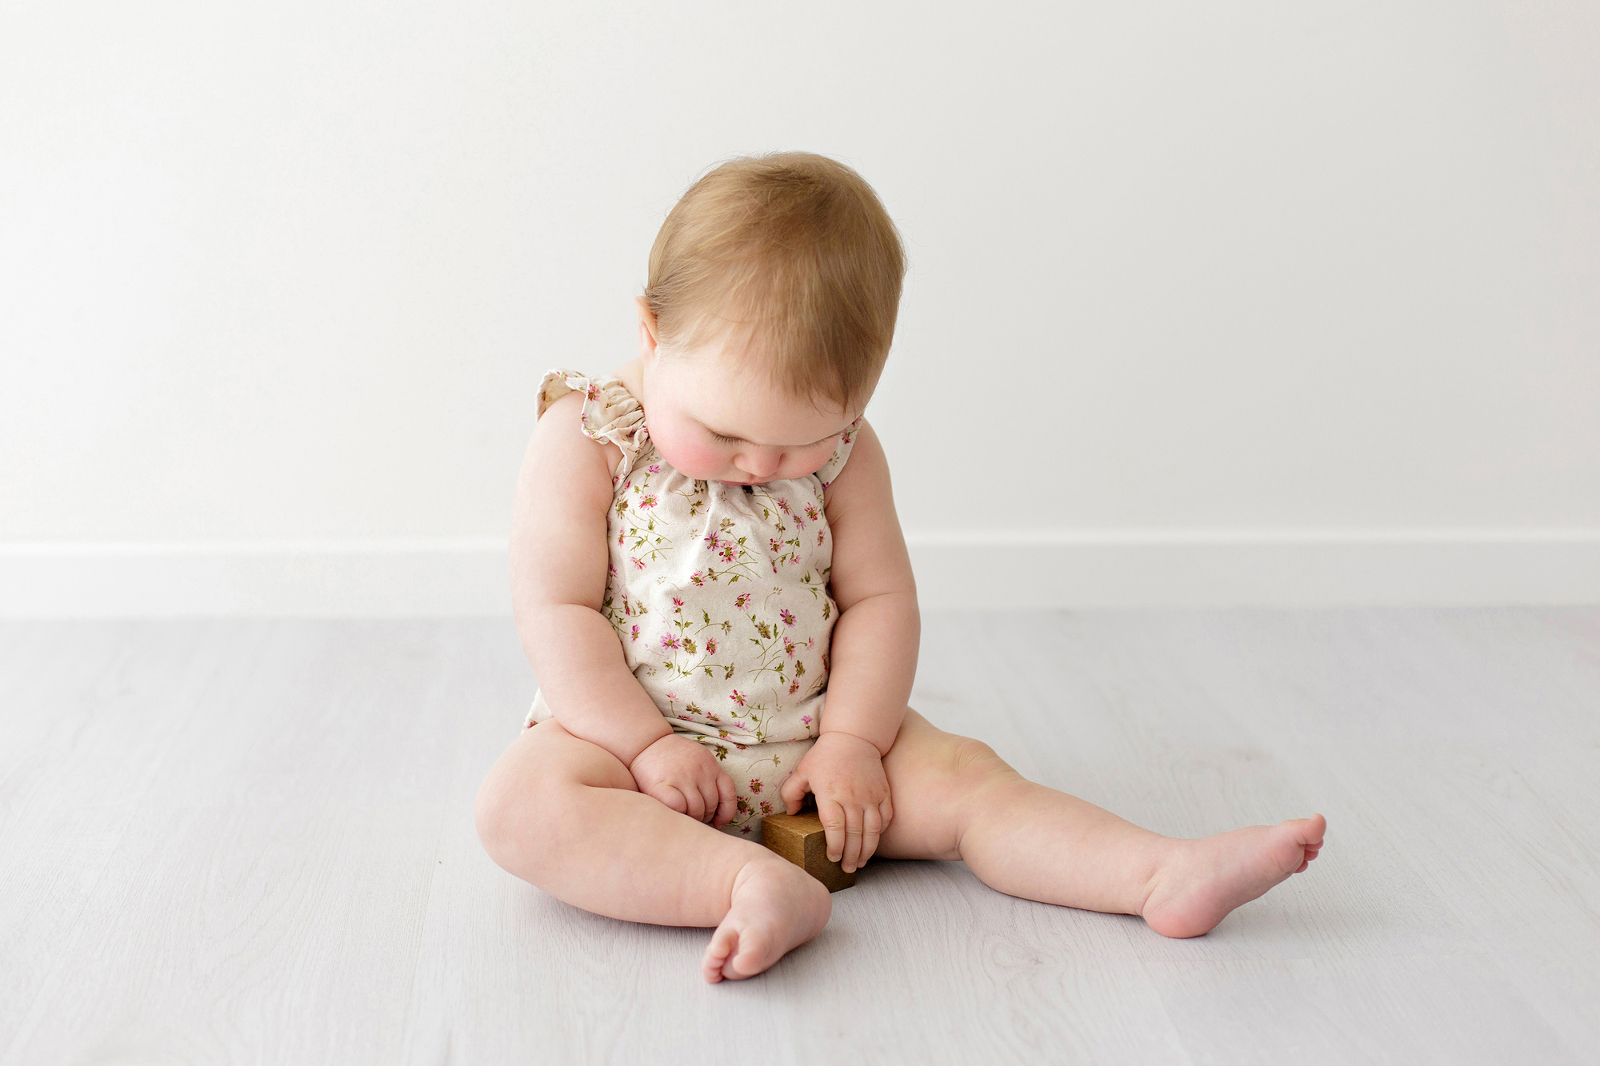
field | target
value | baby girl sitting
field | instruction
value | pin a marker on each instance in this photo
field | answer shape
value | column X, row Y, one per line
column 710, row 581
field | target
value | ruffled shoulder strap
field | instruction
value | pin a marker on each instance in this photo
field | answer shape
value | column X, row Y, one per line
column 610, row 412
column 836, row 461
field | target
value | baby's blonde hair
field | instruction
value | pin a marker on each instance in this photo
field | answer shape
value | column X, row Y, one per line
column 795, row 251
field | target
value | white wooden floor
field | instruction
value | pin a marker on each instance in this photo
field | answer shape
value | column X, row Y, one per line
column 251, row 841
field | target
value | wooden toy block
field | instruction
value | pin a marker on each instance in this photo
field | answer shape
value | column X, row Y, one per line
column 800, row 839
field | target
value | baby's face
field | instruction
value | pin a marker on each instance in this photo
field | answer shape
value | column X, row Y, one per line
column 714, row 419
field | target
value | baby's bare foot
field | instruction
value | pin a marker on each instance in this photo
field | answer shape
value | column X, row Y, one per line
column 776, row 907
column 1207, row 878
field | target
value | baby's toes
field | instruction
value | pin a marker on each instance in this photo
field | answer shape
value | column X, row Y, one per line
column 724, row 942
column 750, row 958
column 1307, row 832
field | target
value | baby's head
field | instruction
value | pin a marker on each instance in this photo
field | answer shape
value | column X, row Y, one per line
column 774, row 285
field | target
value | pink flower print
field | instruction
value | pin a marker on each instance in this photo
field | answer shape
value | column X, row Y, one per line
column 755, row 785
column 737, row 697
column 635, row 632
column 627, row 482
column 698, row 577
column 788, row 647
column 655, row 468
column 794, row 686
column 647, row 502
column 775, row 544
column 669, row 641
column 677, row 603
column 592, row 392
column 711, row 645
column 637, row 565
column 799, row 523
column 744, row 829
column 728, row 555
column 806, row 719
column 766, row 806
column 711, row 540
column 787, row 616
column 819, row 536
column 783, row 505
column 811, row 512
column 742, row 601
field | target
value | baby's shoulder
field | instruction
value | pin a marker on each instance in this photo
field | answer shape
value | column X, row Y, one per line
column 561, row 434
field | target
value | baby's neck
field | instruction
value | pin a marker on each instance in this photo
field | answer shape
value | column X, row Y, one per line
column 631, row 374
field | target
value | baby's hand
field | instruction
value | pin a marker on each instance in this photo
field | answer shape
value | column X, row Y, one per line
column 846, row 774
column 685, row 776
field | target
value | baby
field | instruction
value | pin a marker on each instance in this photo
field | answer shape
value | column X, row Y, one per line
column 710, row 581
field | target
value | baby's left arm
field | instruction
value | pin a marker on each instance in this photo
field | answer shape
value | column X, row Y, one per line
column 872, row 659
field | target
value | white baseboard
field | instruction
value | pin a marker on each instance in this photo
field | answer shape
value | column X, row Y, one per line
column 976, row 569
column 373, row 578
column 1241, row 568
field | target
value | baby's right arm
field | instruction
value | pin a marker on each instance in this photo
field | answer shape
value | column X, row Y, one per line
column 559, row 559
column 558, row 579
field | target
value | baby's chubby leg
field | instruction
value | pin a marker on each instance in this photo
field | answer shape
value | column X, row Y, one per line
column 565, row 815
column 955, row 799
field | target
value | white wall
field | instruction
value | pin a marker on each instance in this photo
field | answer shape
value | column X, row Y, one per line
column 278, row 283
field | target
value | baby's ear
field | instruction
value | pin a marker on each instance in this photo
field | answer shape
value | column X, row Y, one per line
column 647, row 320
column 648, row 332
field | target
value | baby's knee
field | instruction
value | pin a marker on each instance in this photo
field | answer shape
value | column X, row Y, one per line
column 499, row 815
column 519, row 818
column 971, row 766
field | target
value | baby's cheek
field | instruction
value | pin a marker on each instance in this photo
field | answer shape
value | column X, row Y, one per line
column 810, row 462
column 691, row 459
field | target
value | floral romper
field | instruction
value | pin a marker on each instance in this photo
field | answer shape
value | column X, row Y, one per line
column 719, row 595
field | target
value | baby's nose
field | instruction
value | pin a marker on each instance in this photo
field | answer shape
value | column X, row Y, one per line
column 760, row 464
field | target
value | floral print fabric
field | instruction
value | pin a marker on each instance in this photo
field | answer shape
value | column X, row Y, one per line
column 719, row 596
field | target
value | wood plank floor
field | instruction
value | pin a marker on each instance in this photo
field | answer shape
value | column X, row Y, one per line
column 251, row 841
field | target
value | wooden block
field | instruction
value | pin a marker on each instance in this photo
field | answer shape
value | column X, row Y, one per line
column 800, row 839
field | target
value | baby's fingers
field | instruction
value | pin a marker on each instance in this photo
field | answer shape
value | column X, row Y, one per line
column 671, row 797
column 712, row 799
column 793, row 791
column 696, row 808
column 726, row 802
column 852, row 838
column 832, row 817
column 871, row 827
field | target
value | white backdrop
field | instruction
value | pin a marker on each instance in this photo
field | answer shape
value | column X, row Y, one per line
column 1238, row 302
